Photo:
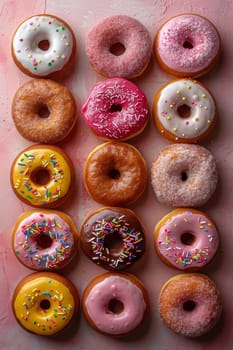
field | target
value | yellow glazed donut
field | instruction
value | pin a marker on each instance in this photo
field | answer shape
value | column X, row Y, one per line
column 42, row 176
column 45, row 303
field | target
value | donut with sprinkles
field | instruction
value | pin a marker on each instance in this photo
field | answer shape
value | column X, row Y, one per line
column 42, row 176
column 184, row 111
column 44, row 240
column 43, row 46
column 45, row 303
column 186, row 239
column 112, row 237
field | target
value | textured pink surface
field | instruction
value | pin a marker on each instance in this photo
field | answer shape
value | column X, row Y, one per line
column 82, row 15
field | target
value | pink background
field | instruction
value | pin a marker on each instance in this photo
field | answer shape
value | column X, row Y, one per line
column 82, row 15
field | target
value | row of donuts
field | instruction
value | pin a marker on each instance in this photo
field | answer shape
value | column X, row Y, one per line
column 118, row 46
column 184, row 111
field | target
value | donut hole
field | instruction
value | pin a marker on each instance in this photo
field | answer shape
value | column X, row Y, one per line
column 43, row 241
column 114, row 174
column 40, row 176
column 117, row 49
column 187, row 238
column 45, row 304
column 44, row 45
column 189, row 305
column 115, row 306
column 113, row 242
column 184, row 176
column 184, row 111
column 115, row 108
column 187, row 44
column 43, row 111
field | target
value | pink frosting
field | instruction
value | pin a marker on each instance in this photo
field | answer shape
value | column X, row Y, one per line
column 196, row 30
column 134, row 38
column 25, row 241
column 116, row 109
column 118, row 288
column 182, row 256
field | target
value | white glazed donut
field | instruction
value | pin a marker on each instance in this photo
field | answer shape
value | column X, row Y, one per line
column 43, row 45
column 184, row 111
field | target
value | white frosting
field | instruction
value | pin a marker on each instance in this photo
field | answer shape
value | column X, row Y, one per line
column 36, row 29
column 192, row 94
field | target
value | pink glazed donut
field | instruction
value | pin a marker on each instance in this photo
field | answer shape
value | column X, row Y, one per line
column 44, row 240
column 115, row 304
column 116, row 109
column 119, row 46
column 186, row 239
column 187, row 46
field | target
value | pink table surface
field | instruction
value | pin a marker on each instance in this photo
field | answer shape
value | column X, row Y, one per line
column 82, row 15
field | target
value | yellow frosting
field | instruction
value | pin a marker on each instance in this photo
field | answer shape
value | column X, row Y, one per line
column 37, row 159
column 43, row 292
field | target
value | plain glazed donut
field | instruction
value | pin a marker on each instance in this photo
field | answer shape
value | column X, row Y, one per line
column 187, row 46
column 112, row 238
column 42, row 176
column 184, row 175
column 44, row 240
column 190, row 304
column 116, row 109
column 184, row 111
column 43, row 46
column 186, row 239
column 115, row 304
column 43, row 111
column 115, row 174
column 45, row 303
column 119, row 46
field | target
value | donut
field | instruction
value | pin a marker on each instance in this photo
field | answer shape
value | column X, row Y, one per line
column 43, row 46
column 43, row 111
column 112, row 238
column 187, row 45
column 45, row 303
column 186, row 239
column 116, row 109
column 115, row 174
column 42, row 176
column 184, row 175
column 190, row 304
column 119, row 46
column 115, row 304
column 44, row 240
column 184, row 111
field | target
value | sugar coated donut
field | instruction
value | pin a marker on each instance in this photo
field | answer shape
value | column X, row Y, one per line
column 190, row 304
column 112, row 237
column 43, row 46
column 116, row 109
column 184, row 175
column 115, row 304
column 119, row 46
column 186, row 239
column 184, row 111
column 42, row 176
column 44, row 240
column 45, row 303
column 43, row 111
column 115, row 174
column 187, row 46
